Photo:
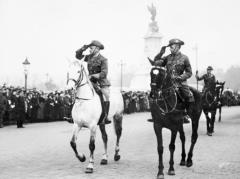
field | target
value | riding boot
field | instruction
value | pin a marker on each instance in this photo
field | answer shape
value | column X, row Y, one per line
column 186, row 118
column 106, row 105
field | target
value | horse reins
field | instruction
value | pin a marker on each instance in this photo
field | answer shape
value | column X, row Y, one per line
column 78, row 83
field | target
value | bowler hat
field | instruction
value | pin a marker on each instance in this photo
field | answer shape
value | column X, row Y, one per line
column 175, row 41
column 97, row 44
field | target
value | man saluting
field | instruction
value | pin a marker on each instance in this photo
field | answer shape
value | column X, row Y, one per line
column 98, row 70
column 178, row 64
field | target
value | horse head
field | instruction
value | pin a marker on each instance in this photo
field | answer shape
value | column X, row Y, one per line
column 79, row 76
column 219, row 89
column 158, row 76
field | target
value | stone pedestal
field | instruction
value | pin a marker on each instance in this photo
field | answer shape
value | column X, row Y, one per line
column 141, row 79
column 152, row 46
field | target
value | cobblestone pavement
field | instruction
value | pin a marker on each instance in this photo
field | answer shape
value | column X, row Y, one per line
column 42, row 150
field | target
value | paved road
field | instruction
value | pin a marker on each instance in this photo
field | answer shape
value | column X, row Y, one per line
column 42, row 151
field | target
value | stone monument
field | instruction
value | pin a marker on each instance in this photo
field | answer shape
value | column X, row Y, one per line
column 152, row 46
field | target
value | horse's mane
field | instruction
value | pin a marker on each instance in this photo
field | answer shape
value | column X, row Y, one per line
column 82, row 65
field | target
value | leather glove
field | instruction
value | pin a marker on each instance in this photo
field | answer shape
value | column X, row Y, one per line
column 163, row 49
column 83, row 48
column 80, row 51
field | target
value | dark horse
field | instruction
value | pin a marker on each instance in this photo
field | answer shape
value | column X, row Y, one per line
column 167, row 109
column 211, row 101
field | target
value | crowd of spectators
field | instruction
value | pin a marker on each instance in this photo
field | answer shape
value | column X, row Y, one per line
column 18, row 106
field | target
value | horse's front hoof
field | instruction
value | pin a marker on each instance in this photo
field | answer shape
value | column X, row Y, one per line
column 103, row 162
column 189, row 163
column 182, row 163
column 117, row 157
column 82, row 159
column 209, row 133
column 171, row 172
column 160, row 176
column 89, row 170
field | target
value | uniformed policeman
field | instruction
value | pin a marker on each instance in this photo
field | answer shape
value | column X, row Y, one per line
column 98, row 70
column 208, row 78
column 178, row 64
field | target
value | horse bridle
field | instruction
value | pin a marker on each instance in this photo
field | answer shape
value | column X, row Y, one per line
column 78, row 82
column 162, row 90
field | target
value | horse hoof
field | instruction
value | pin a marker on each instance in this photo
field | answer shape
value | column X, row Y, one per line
column 82, row 159
column 171, row 172
column 209, row 134
column 182, row 163
column 103, row 162
column 89, row 170
column 189, row 163
column 160, row 176
column 117, row 157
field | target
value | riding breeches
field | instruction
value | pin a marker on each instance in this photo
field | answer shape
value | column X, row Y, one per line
column 106, row 92
column 186, row 93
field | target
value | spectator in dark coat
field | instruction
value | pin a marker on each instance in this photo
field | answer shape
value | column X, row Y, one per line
column 3, row 105
column 20, row 109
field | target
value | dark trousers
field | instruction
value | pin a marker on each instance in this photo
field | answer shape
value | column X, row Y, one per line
column 20, row 118
column 1, row 117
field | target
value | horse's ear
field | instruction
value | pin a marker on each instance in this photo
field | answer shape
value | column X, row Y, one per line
column 151, row 61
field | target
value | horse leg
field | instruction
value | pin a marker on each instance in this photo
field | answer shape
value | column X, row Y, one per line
column 158, row 132
column 89, row 168
column 213, row 115
column 117, row 119
column 182, row 138
column 104, row 160
column 195, row 121
column 172, row 149
column 81, row 156
column 220, row 113
column 207, row 122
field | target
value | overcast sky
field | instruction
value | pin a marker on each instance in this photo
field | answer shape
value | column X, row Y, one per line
column 49, row 32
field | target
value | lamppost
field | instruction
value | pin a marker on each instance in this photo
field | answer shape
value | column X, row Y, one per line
column 121, row 77
column 26, row 64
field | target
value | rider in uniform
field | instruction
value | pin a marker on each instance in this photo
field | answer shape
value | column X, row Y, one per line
column 178, row 64
column 208, row 78
column 98, row 70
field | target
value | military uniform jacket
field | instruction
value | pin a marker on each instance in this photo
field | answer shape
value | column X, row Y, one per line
column 209, row 80
column 177, row 64
column 98, row 64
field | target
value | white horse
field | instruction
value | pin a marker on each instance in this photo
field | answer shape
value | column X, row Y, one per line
column 86, row 112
